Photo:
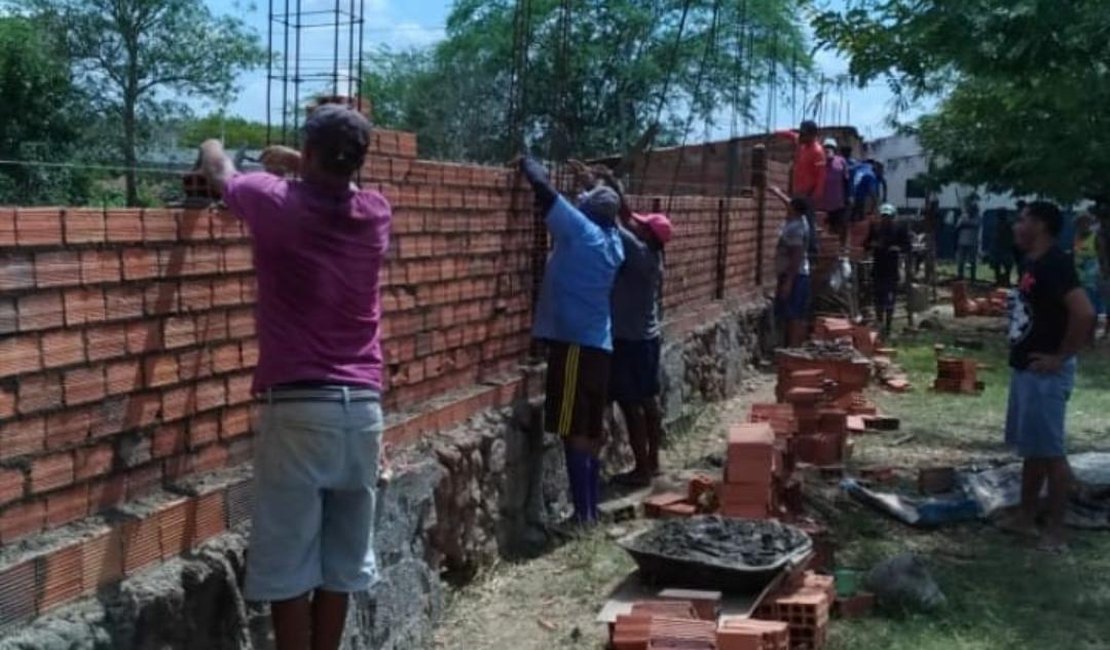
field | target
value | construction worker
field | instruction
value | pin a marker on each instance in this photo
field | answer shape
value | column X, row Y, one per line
column 319, row 245
column 808, row 175
column 793, row 288
column 838, row 187
column 573, row 317
column 887, row 240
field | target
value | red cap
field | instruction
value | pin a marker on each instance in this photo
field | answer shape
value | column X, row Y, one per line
column 659, row 225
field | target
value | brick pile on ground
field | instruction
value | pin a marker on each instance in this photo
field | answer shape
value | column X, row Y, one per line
column 804, row 606
column 752, row 463
column 738, row 633
column 964, row 304
column 660, row 624
column 957, row 375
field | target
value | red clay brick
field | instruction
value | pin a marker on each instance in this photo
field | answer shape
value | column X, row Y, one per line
column 141, row 546
column 159, row 226
column 175, row 524
column 84, row 226
column 239, row 388
column 168, row 440
column 143, row 336
column 84, row 306
column 106, row 342
column 195, row 295
column 63, row 348
column 101, row 560
column 204, row 429
column 144, row 480
column 193, row 225
column 123, row 377
column 210, row 517
column 211, row 327
column 67, row 506
column 226, row 292
column 38, row 227
column 57, row 269
column 237, row 258
column 139, row 264
column 124, row 302
column 240, row 324
column 250, row 353
column 210, row 394
column 19, row 354
column 51, row 472
column 16, row 271
column 210, row 458
column 142, row 410
column 7, row 227
column 98, row 267
column 12, row 484
column 124, row 225
column 7, row 401
column 8, row 318
column 22, row 520
column 160, row 370
column 235, row 421
column 83, row 385
column 39, row 392
column 179, row 331
column 108, row 493
column 22, row 437
column 194, row 364
column 90, row 462
column 179, row 403
column 67, row 427
column 225, row 358
column 38, row 311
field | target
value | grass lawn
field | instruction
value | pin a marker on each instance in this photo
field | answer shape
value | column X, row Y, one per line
column 1002, row 594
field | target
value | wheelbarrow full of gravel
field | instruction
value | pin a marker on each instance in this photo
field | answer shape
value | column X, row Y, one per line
column 717, row 553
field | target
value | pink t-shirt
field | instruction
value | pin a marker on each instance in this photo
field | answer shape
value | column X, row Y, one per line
column 318, row 256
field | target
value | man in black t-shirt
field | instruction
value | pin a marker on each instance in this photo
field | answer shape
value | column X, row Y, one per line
column 1050, row 320
column 888, row 240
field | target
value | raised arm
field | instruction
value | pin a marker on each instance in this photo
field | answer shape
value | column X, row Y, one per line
column 216, row 165
column 777, row 192
column 541, row 185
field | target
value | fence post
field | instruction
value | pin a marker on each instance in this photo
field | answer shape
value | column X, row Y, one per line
column 759, row 182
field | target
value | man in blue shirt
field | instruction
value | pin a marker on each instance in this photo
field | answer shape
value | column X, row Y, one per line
column 574, row 319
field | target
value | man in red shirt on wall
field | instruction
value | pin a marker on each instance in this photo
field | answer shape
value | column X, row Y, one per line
column 808, row 179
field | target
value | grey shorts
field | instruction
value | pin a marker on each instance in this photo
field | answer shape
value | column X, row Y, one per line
column 1037, row 410
column 315, row 475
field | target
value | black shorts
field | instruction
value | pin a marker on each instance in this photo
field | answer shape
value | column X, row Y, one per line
column 635, row 375
column 577, row 390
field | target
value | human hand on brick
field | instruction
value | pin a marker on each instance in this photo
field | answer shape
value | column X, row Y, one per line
column 280, row 160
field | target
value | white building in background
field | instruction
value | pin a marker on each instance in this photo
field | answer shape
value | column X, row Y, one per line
column 904, row 159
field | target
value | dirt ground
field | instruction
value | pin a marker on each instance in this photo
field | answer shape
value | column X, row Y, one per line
column 1002, row 594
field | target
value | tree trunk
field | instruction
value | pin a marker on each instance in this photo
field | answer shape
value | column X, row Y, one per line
column 129, row 155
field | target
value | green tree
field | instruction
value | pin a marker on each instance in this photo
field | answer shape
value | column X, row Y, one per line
column 40, row 118
column 595, row 74
column 233, row 130
column 138, row 59
column 1021, row 85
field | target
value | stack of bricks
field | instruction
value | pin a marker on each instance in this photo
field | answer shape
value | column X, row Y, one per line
column 736, row 633
column 957, row 376
column 805, row 608
column 822, row 431
column 833, row 329
column 663, row 625
column 751, row 464
column 843, row 378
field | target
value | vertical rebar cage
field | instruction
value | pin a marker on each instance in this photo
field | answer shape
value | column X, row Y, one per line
column 316, row 56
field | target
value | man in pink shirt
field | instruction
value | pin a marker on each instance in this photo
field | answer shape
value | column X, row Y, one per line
column 319, row 245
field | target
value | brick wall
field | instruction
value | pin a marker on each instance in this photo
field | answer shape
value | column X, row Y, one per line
column 127, row 336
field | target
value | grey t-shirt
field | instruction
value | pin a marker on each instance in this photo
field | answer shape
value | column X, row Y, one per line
column 637, row 291
column 795, row 232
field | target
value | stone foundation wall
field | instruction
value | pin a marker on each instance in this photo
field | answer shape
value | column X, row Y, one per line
column 455, row 503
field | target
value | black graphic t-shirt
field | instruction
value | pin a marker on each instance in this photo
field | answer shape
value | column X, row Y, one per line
column 1038, row 317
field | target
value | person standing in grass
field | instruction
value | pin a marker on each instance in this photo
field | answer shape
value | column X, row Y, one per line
column 1051, row 319
column 574, row 318
column 319, row 245
column 1085, row 253
column 888, row 241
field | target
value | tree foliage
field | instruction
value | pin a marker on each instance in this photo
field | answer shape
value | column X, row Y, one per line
column 595, row 74
column 40, row 118
column 138, row 59
column 1022, row 85
column 233, row 130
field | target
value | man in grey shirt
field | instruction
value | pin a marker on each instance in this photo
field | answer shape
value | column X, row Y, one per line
column 967, row 238
column 637, row 332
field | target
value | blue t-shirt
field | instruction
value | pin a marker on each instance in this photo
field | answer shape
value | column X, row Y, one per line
column 574, row 304
column 865, row 182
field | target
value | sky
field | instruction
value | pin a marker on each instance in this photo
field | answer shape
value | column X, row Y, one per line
column 407, row 23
